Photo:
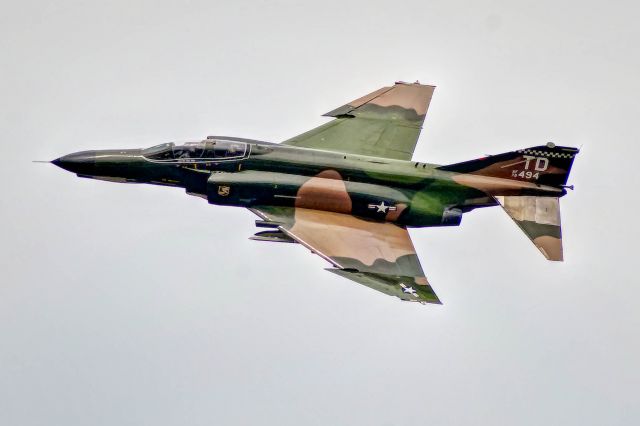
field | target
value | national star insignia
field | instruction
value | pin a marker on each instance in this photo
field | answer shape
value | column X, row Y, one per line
column 409, row 290
column 382, row 207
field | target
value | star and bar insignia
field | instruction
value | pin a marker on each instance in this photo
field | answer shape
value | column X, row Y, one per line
column 382, row 207
column 409, row 290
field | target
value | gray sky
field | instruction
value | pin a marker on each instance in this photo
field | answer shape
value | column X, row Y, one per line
column 130, row 305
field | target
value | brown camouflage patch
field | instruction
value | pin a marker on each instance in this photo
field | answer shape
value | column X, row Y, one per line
column 326, row 191
column 393, row 215
column 414, row 97
column 551, row 247
column 499, row 186
column 339, row 235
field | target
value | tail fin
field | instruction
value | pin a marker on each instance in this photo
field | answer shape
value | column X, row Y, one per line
column 543, row 165
column 539, row 219
column 527, row 183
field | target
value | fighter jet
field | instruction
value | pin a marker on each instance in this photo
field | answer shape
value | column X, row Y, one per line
column 349, row 190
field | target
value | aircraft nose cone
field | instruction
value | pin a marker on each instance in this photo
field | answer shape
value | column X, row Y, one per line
column 78, row 162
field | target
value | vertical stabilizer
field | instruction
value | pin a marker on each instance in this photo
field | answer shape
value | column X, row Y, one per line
column 539, row 218
column 543, row 165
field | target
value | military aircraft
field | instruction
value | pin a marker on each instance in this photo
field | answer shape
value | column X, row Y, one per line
column 349, row 189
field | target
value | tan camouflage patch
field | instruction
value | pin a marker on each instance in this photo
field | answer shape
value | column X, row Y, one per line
column 543, row 210
column 408, row 96
column 549, row 246
column 339, row 235
column 366, row 98
column 499, row 186
column 421, row 281
column 393, row 215
column 326, row 191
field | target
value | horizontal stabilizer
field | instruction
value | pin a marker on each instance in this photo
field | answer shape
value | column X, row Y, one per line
column 539, row 219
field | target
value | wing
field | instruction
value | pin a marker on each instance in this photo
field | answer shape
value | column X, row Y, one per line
column 378, row 255
column 385, row 123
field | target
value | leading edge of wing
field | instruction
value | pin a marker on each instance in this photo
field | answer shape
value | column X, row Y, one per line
column 379, row 255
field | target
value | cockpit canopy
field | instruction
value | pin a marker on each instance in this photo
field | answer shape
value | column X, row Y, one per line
column 206, row 150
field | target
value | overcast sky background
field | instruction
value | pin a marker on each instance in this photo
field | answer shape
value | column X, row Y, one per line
column 131, row 304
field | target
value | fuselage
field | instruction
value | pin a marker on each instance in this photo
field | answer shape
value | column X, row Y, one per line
column 347, row 189
column 248, row 173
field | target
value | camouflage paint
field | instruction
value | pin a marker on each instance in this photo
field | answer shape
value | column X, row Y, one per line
column 385, row 123
column 539, row 218
column 347, row 190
